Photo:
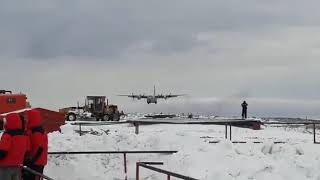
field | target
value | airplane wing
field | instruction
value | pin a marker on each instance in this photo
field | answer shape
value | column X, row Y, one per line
column 166, row 96
column 135, row 96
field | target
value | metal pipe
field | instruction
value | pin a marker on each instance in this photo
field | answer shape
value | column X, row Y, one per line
column 99, row 123
column 292, row 123
column 226, row 131
column 230, row 133
column 78, row 107
column 136, row 128
column 314, row 134
column 36, row 173
column 152, row 163
column 125, row 164
column 112, row 152
column 165, row 172
column 137, row 171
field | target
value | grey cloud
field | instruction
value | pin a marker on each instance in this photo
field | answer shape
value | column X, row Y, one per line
column 106, row 28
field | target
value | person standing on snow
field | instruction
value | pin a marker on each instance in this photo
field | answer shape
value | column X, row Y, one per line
column 37, row 157
column 13, row 146
column 244, row 109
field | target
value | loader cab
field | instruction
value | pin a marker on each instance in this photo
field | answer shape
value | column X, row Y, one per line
column 96, row 104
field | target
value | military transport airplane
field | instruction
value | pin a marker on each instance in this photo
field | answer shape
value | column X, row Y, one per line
column 153, row 99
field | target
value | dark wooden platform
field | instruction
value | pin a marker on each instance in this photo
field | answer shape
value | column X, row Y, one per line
column 198, row 121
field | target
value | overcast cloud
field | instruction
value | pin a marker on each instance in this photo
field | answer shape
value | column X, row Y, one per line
column 218, row 52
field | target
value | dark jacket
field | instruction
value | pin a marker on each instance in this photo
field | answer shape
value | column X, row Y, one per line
column 244, row 106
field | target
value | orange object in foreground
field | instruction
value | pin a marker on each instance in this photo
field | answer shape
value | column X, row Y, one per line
column 12, row 102
column 9, row 102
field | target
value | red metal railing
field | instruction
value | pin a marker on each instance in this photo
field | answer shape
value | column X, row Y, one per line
column 115, row 152
column 41, row 176
column 169, row 174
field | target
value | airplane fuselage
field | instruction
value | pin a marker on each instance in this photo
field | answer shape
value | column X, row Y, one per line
column 152, row 100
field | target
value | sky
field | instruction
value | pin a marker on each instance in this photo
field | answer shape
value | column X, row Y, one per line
column 219, row 52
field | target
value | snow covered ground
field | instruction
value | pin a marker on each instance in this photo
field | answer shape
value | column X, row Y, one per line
column 297, row 159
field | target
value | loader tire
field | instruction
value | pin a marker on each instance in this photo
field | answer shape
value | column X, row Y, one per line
column 106, row 117
column 116, row 117
column 71, row 117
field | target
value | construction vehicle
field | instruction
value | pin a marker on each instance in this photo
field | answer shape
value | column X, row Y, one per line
column 95, row 108
column 11, row 102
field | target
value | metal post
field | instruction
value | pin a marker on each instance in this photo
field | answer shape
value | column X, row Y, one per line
column 314, row 133
column 168, row 177
column 78, row 107
column 37, row 174
column 125, row 163
column 136, row 128
column 80, row 129
column 226, row 132
column 137, row 171
column 230, row 132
